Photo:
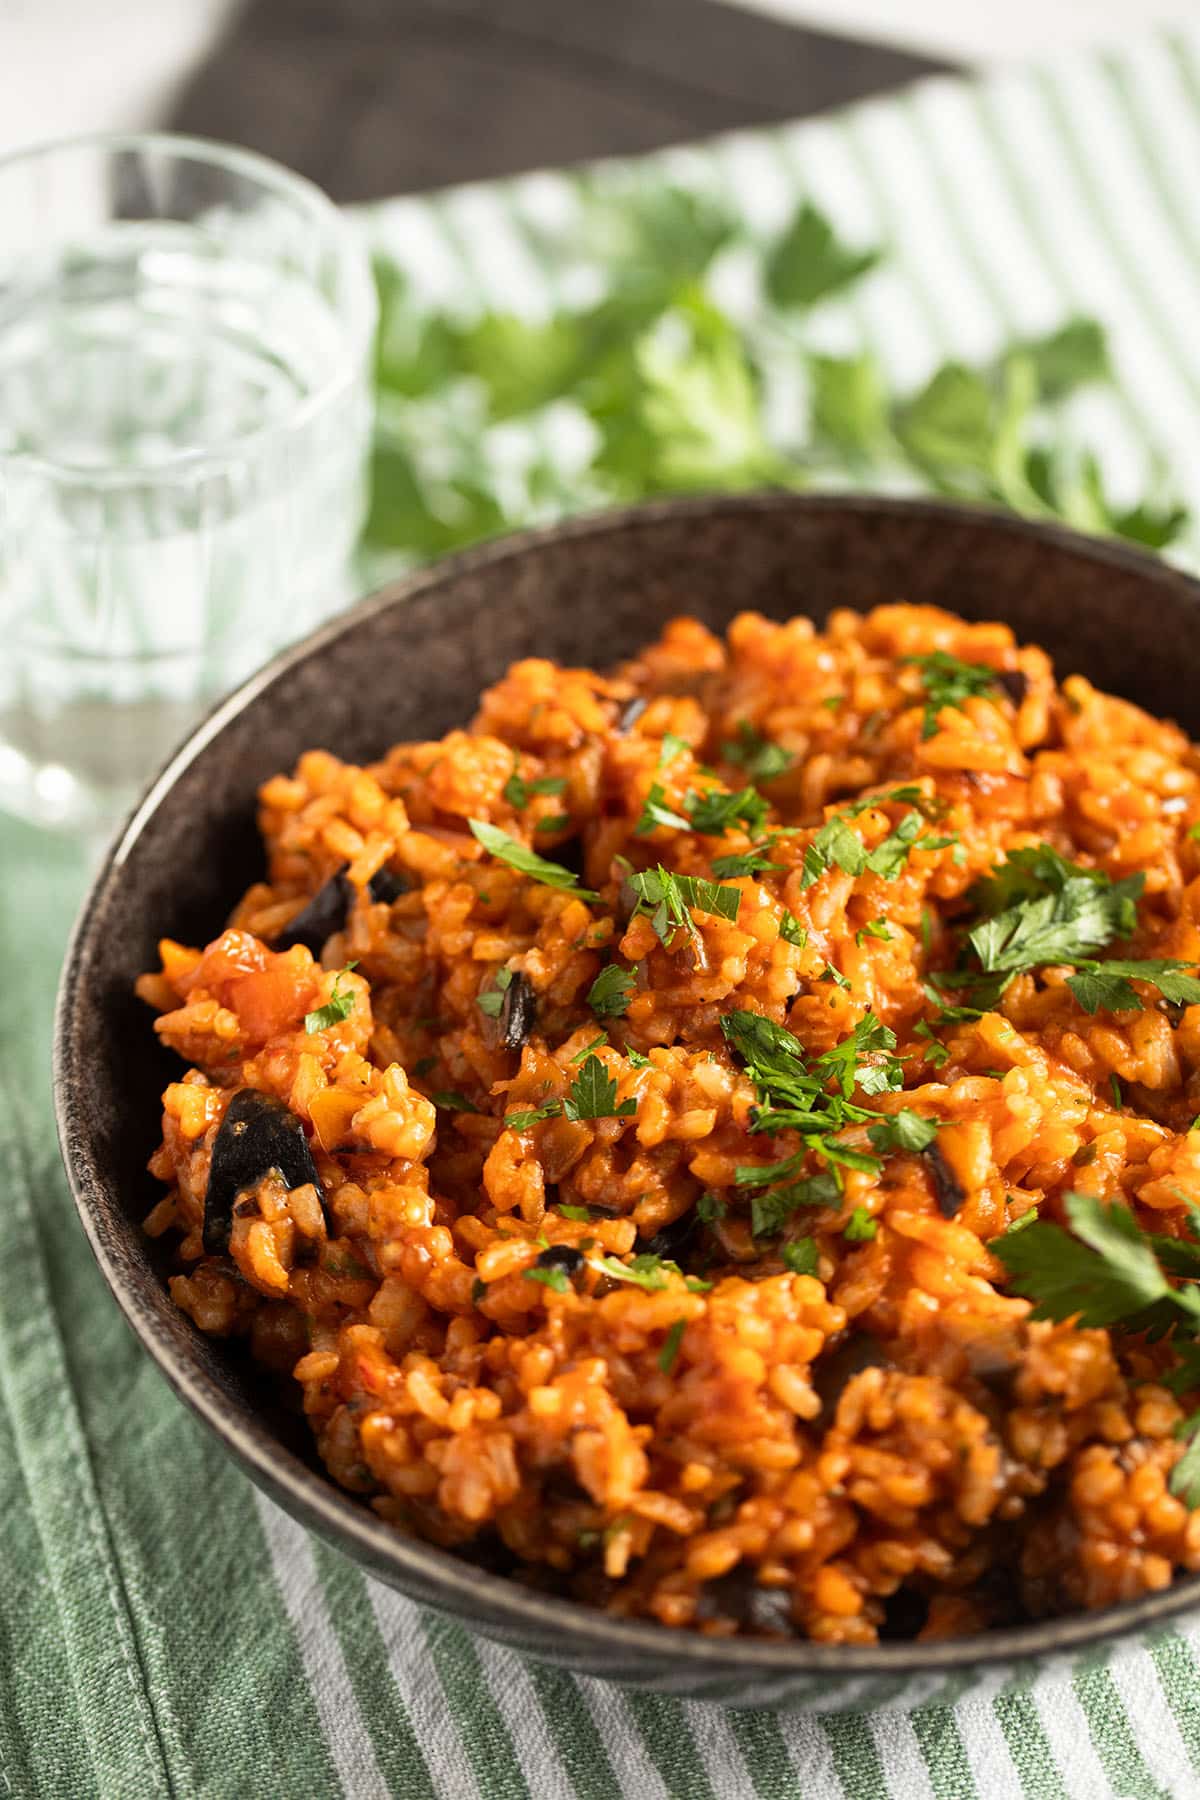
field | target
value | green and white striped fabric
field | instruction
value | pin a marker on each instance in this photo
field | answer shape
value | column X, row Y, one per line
column 166, row 1631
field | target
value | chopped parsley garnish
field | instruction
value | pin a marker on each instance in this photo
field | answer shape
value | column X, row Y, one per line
column 593, row 1095
column 668, row 898
column 949, row 682
column 837, row 846
column 657, row 813
column 518, row 793
column 424, row 1065
column 905, row 1130
column 829, row 973
column 339, row 1006
column 1105, row 1271
column 800, row 1256
column 508, row 849
column 874, row 928
column 769, row 1211
column 581, row 1214
column 1106, row 985
column 761, row 759
column 936, row 1055
column 794, row 1095
column 714, row 812
column 492, row 999
column 554, row 1278
column 751, row 862
column 521, row 1121
column 670, row 1348
column 860, row 1227
column 449, row 1101
column 588, row 1048
column 672, row 747
column 1061, row 914
column 609, row 994
column 645, row 1271
column 556, row 822
column 791, row 930
column 635, row 1058
column 710, row 1208
column 1118, row 1096
column 478, row 1291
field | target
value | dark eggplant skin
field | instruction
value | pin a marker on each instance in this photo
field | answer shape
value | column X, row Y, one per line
column 257, row 1134
column 948, row 1191
column 561, row 1256
column 763, row 1612
column 386, row 886
column 630, row 713
column 329, row 909
column 673, row 1240
column 518, row 1012
column 325, row 913
column 1015, row 684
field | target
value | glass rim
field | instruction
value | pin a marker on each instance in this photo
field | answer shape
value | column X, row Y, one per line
column 360, row 321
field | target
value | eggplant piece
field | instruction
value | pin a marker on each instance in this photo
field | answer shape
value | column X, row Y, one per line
column 325, row 913
column 762, row 1611
column 518, row 1012
column 673, row 1240
column 257, row 1134
column 630, row 713
column 833, row 1371
column 386, row 886
column 1015, row 684
column 948, row 1191
column 561, row 1256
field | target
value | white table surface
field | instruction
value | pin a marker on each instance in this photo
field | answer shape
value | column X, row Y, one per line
column 68, row 66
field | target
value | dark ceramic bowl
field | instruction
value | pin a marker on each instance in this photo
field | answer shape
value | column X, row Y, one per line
column 410, row 664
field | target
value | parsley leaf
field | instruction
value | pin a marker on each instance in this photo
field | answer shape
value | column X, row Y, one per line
column 518, row 793
column 874, row 928
column 761, row 759
column 671, row 747
column 508, row 849
column 791, row 930
column 1103, row 1271
column 1107, row 985
column 449, row 1101
column 339, row 1006
column 609, row 994
column 905, row 1130
column 656, row 813
column 521, row 1121
column 751, row 862
column 593, row 1095
column 668, row 898
column 1064, row 926
column 800, row 1256
column 645, row 1271
column 670, row 1347
column 492, row 999
column 809, row 262
column 860, row 1227
column 710, row 1208
column 769, row 1211
column 556, row 1279
column 1026, row 875
column 949, row 682
column 714, row 812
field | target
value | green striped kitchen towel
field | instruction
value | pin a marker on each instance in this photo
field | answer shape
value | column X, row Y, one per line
column 164, row 1630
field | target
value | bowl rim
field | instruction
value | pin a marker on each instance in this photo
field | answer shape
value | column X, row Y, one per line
column 465, row 1589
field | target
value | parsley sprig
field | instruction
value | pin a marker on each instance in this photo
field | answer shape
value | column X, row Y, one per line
column 609, row 994
column 1052, row 911
column 1106, row 1272
column 949, row 682
column 518, row 856
column 836, row 845
column 519, row 792
column 592, row 1095
column 339, row 1005
column 668, row 899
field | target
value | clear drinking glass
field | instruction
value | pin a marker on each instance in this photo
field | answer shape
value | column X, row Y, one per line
column 185, row 337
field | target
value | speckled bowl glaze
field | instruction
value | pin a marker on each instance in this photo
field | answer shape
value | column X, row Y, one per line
column 409, row 663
